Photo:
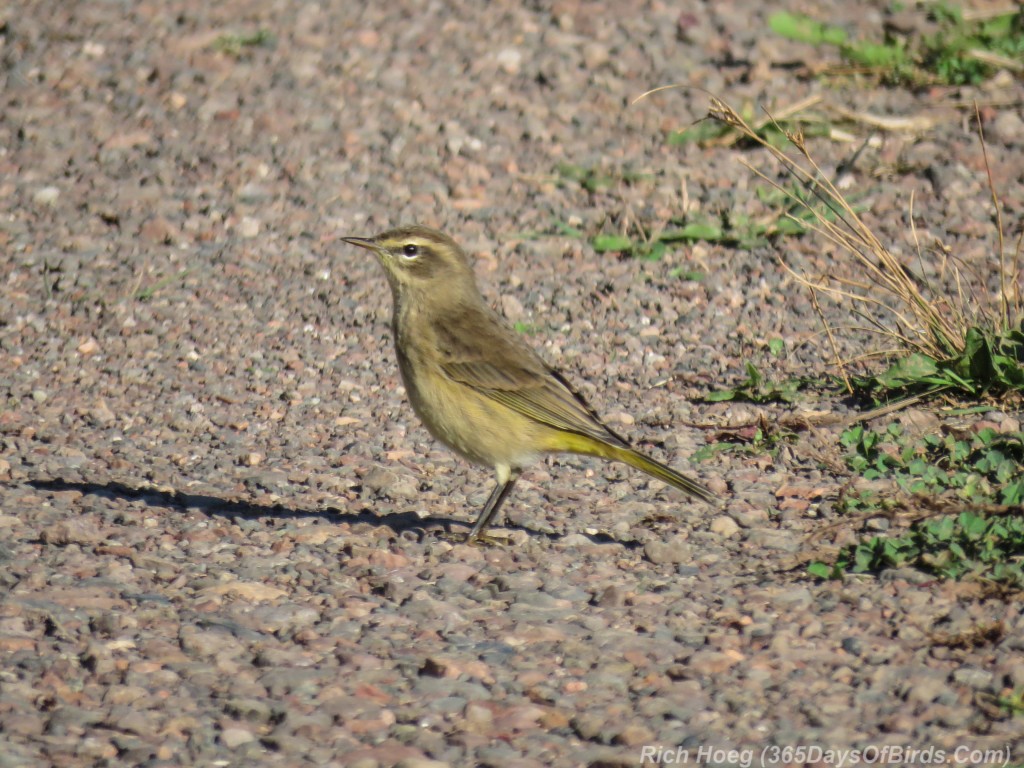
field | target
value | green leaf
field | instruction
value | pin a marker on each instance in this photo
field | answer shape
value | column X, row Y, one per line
column 233, row 44
column 987, row 435
column 915, row 369
column 876, row 55
column 864, row 557
column 611, row 243
column 823, row 570
column 692, row 232
column 571, row 171
column 1013, row 493
column 1010, row 373
column 650, row 251
column 698, row 133
column 805, row 29
column 596, row 182
column 720, row 395
column 561, row 228
column 790, row 226
column 976, row 362
column 754, row 377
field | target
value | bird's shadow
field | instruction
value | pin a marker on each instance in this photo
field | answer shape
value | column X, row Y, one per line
column 398, row 522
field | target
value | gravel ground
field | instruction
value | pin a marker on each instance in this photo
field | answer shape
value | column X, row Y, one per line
column 221, row 528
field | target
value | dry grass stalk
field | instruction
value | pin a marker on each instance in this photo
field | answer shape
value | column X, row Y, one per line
column 886, row 294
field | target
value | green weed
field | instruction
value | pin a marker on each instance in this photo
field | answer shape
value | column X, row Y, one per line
column 235, row 45
column 790, row 214
column 735, row 230
column 959, row 52
column 596, row 180
column 751, row 440
column 968, row 545
column 982, row 470
column 984, row 467
column 1012, row 703
column 145, row 294
column 707, row 133
column 756, row 389
column 991, row 361
column 957, row 334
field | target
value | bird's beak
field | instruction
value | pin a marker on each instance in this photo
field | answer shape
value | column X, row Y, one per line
column 362, row 242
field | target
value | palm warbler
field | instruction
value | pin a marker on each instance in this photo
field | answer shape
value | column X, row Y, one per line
column 476, row 385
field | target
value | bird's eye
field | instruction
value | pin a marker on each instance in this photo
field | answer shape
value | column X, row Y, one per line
column 410, row 251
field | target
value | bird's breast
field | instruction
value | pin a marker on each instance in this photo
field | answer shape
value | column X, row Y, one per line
column 461, row 416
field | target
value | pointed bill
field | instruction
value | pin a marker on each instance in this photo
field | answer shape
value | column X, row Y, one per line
column 362, row 242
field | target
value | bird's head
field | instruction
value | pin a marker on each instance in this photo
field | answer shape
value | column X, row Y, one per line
column 420, row 260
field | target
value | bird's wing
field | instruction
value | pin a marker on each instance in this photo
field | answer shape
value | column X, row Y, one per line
column 499, row 365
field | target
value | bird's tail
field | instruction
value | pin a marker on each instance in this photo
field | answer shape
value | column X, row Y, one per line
column 666, row 474
column 574, row 442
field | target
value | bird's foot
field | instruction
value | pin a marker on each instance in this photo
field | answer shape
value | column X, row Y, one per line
column 481, row 539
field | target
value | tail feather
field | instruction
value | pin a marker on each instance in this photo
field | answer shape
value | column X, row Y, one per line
column 573, row 442
column 665, row 474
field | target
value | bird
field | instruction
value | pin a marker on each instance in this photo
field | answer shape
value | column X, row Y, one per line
column 475, row 383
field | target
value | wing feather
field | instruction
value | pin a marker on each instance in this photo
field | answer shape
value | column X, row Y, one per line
column 496, row 363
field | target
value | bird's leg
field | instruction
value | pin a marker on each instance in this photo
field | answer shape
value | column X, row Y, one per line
column 494, row 501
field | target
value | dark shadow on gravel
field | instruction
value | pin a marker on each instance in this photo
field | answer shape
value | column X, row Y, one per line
column 399, row 522
column 246, row 510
